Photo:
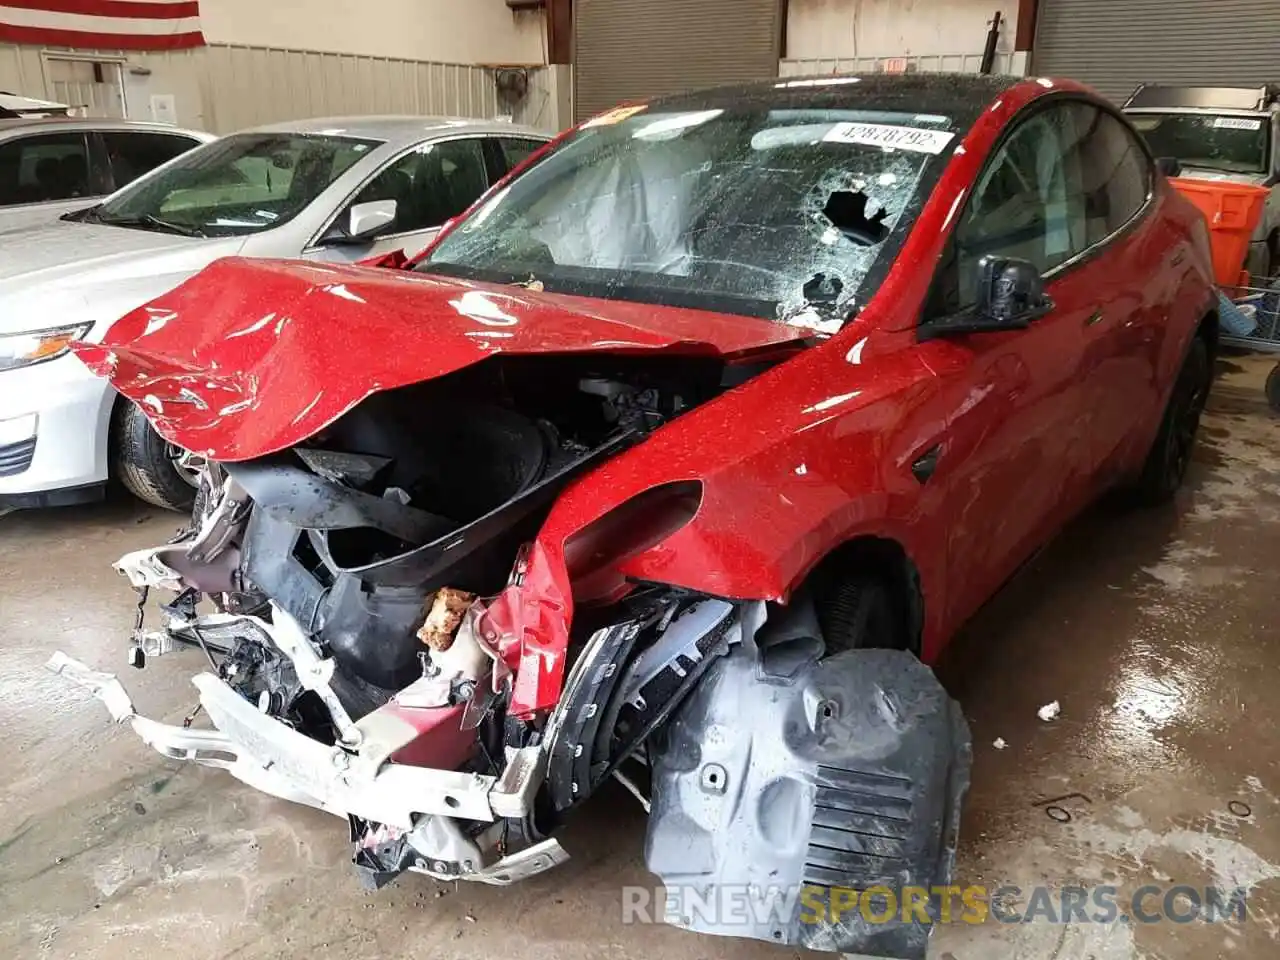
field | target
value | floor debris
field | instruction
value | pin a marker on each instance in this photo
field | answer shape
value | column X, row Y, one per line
column 1050, row 711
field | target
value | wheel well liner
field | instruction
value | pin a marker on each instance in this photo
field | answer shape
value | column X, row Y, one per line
column 888, row 561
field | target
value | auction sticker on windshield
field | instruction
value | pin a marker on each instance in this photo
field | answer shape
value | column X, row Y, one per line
column 885, row 135
column 1237, row 123
column 616, row 115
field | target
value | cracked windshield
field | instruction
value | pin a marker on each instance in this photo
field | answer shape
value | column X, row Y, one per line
column 778, row 214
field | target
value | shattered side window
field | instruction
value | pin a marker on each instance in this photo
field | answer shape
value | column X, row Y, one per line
column 772, row 213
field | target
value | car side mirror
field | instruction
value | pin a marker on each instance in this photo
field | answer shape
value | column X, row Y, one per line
column 363, row 221
column 1010, row 296
column 1010, row 292
column 1169, row 166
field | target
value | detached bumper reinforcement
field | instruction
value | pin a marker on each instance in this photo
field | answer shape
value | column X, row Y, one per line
column 269, row 756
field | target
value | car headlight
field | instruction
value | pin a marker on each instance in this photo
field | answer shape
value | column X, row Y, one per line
column 36, row 346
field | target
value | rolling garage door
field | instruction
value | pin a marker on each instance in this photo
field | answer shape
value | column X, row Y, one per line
column 1117, row 44
column 630, row 49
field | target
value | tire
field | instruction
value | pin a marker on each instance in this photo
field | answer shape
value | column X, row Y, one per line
column 1166, row 464
column 141, row 460
column 1273, row 388
column 858, row 611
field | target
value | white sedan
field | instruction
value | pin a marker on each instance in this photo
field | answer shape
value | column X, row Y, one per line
column 53, row 165
column 335, row 190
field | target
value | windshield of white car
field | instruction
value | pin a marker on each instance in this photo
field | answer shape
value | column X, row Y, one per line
column 1228, row 144
column 772, row 213
column 238, row 185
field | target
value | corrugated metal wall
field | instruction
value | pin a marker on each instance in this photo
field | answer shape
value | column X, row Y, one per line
column 247, row 86
column 1116, row 46
column 1005, row 63
column 226, row 87
column 623, row 50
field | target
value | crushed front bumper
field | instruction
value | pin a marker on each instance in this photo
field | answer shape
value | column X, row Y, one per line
column 269, row 756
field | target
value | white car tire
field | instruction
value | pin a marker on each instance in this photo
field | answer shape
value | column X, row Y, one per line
column 141, row 460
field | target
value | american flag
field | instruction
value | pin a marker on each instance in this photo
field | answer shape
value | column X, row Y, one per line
column 109, row 24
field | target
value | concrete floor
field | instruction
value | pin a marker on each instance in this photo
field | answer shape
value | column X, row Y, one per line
column 1156, row 631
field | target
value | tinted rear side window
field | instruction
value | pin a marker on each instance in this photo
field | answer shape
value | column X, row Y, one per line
column 38, row 169
column 133, row 154
column 450, row 178
column 514, row 150
column 1117, row 174
column 1131, row 184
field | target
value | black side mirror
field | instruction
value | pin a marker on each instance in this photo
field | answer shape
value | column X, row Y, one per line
column 1010, row 292
column 1169, row 166
column 1010, row 296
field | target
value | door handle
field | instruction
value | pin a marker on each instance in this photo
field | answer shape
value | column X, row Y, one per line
column 1095, row 318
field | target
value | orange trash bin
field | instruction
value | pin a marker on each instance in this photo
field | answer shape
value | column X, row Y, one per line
column 1232, row 211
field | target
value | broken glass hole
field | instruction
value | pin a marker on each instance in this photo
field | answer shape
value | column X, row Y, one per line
column 822, row 290
column 847, row 211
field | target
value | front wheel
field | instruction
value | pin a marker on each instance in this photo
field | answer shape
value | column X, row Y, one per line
column 1167, row 463
column 150, row 468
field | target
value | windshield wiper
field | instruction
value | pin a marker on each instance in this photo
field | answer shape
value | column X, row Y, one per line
column 154, row 222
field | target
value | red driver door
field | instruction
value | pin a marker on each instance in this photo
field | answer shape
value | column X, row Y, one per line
column 1014, row 458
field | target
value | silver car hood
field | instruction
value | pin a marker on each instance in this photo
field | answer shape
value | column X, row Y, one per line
column 55, row 251
column 30, row 216
column 69, row 270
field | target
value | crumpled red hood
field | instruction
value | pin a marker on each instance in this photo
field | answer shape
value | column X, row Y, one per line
column 251, row 356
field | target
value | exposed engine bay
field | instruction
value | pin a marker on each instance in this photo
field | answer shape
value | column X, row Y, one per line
column 342, row 593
